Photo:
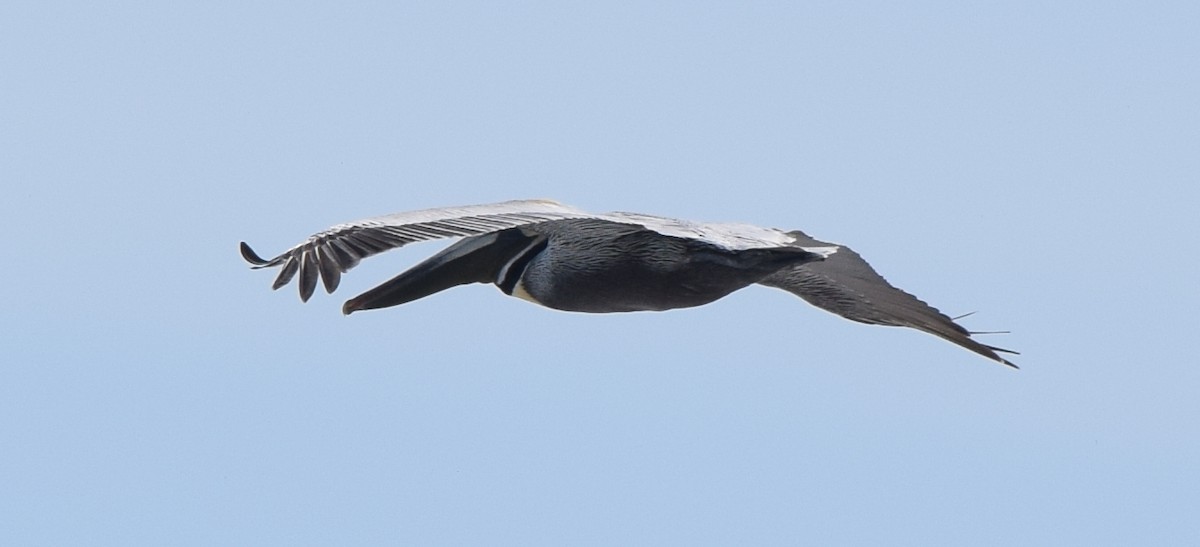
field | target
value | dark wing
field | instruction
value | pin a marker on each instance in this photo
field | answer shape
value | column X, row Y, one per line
column 326, row 255
column 846, row 285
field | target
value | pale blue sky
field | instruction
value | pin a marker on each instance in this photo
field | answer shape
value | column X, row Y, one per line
column 1034, row 162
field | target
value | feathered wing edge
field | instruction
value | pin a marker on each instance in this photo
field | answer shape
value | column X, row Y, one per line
column 328, row 254
column 845, row 284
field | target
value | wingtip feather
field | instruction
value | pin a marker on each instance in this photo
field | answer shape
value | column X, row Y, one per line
column 252, row 257
column 1003, row 360
column 308, row 276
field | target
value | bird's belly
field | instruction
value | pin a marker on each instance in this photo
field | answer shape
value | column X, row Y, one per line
column 633, row 293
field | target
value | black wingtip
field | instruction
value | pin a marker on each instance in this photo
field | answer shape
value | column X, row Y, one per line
column 250, row 256
column 996, row 350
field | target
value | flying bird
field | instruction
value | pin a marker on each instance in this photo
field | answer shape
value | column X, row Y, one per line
column 567, row 259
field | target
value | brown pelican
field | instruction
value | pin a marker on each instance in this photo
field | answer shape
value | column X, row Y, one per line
column 567, row 259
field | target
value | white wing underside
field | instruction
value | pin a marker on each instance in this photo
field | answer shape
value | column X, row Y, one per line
column 478, row 219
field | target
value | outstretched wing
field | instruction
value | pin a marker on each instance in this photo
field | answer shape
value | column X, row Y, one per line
column 846, row 284
column 329, row 253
